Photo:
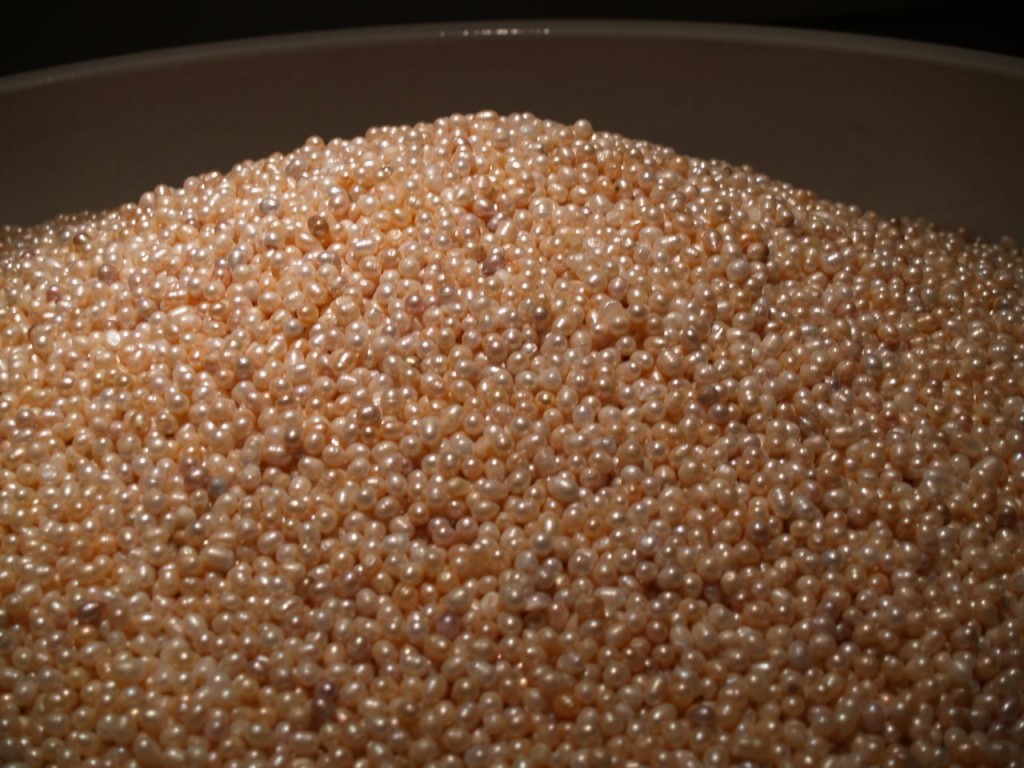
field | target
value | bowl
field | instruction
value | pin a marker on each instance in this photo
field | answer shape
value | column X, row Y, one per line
column 901, row 128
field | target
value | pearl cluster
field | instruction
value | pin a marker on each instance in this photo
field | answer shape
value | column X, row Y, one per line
column 499, row 442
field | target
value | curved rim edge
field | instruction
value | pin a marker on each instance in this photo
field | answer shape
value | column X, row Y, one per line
column 454, row 32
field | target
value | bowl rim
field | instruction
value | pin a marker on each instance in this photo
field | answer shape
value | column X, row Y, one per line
column 454, row 32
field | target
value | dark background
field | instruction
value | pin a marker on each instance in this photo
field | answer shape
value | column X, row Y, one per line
column 51, row 34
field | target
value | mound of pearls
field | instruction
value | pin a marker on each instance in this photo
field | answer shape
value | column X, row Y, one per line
column 499, row 442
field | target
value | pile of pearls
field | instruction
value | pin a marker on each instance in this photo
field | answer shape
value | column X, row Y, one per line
column 499, row 442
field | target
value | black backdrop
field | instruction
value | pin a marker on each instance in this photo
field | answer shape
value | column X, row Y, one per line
column 48, row 34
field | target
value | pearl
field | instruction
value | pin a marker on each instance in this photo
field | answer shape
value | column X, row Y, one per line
column 495, row 441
